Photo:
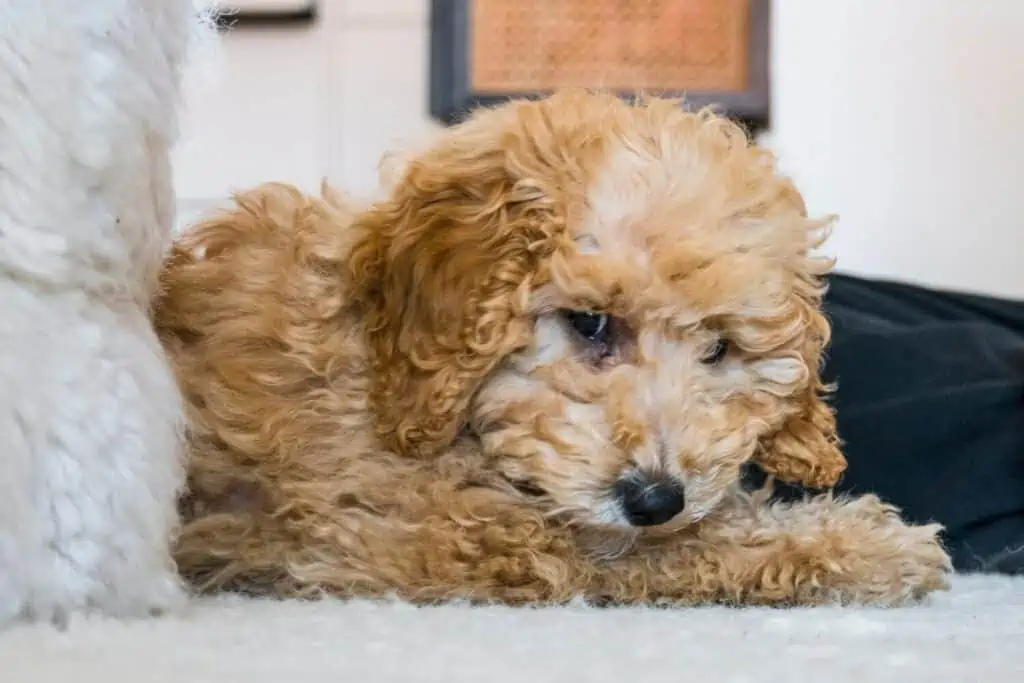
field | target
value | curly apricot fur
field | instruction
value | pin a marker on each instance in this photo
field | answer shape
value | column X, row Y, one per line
column 385, row 400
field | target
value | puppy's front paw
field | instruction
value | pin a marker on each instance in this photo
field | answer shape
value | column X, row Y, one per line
column 881, row 560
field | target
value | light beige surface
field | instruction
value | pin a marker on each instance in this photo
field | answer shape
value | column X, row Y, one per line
column 974, row 633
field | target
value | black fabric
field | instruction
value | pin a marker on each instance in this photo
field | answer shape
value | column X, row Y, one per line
column 930, row 405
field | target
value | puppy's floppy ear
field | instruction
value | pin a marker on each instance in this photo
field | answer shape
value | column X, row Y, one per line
column 806, row 449
column 443, row 268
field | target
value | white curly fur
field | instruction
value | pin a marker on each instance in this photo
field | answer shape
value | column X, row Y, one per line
column 89, row 413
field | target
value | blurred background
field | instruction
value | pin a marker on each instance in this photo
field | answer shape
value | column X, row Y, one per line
column 905, row 117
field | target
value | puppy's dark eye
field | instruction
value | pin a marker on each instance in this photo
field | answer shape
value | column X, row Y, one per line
column 594, row 327
column 716, row 353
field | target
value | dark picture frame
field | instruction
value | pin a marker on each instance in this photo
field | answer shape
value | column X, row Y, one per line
column 451, row 96
column 227, row 15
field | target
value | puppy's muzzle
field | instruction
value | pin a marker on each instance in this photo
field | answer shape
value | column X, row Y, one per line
column 649, row 499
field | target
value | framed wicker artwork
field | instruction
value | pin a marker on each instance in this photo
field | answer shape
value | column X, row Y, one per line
column 712, row 52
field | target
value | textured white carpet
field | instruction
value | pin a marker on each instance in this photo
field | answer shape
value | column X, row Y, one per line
column 974, row 633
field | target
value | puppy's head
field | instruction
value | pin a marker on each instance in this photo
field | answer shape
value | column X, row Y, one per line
column 617, row 299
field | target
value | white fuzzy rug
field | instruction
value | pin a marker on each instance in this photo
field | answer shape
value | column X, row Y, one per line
column 974, row 633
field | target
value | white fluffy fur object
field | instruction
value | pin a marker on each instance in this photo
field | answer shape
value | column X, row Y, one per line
column 89, row 414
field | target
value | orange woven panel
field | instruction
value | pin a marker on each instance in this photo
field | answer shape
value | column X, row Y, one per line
column 654, row 45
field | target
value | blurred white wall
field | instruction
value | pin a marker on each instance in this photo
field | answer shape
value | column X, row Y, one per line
column 906, row 117
column 298, row 104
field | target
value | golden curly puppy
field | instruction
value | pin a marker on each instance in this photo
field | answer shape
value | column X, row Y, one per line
column 532, row 373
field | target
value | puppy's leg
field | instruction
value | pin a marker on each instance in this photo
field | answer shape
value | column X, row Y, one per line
column 824, row 550
column 473, row 545
column 487, row 555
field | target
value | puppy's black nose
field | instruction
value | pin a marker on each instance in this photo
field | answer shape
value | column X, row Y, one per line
column 649, row 501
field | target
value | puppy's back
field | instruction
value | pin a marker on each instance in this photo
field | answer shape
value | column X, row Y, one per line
column 268, row 353
column 274, row 249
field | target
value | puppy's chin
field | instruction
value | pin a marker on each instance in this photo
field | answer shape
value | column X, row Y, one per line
column 609, row 541
column 605, row 531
